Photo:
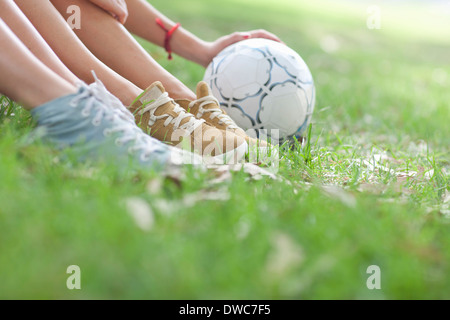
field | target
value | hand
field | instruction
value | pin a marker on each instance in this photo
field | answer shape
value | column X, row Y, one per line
column 116, row 8
column 213, row 48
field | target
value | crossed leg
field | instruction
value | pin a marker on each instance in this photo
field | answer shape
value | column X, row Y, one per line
column 115, row 46
column 72, row 51
column 25, row 31
column 23, row 75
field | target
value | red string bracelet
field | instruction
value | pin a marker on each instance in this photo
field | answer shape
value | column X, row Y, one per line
column 169, row 34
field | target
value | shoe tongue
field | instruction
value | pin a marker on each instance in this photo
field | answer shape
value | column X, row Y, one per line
column 203, row 90
column 153, row 92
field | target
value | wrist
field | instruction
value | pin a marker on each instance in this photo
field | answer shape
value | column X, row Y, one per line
column 191, row 47
column 203, row 53
column 168, row 35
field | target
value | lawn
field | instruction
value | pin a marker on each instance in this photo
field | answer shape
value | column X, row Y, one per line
column 369, row 187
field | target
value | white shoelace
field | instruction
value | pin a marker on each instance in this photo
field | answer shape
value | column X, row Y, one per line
column 130, row 132
column 164, row 98
column 215, row 112
column 99, row 90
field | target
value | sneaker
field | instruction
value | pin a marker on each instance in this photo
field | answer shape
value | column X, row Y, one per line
column 95, row 131
column 101, row 93
column 207, row 108
column 157, row 114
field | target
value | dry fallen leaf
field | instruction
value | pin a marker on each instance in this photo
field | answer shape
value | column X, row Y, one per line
column 141, row 213
column 285, row 255
column 338, row 193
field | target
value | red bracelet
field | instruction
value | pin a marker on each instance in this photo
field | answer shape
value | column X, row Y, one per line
column 169, row 34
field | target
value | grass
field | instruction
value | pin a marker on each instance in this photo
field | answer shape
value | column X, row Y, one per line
column 370, row 187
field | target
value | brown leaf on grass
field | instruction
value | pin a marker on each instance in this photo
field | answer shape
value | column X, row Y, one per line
column 255, row 172
column 446, row 197
column 242, row 228
column 285, row 255
column 141, row 213
column 154, row 186
column 340, row 194
column 168, row 207
column 374, row 188
column 191, row 199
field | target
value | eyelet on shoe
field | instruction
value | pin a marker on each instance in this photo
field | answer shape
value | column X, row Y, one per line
column 85, row 114
column 96, row 122
column 118, row 143
column 130, row 151
column 73, row 104
column 107, row 133
column 144, row 157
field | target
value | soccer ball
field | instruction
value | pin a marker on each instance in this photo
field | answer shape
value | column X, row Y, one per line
column 265, row 87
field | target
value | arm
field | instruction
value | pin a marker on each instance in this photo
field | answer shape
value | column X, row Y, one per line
column 110, row 42
column 141, row 21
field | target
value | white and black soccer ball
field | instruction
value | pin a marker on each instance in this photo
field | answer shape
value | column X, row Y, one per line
column 265, row 87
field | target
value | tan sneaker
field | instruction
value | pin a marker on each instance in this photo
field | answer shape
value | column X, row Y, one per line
column 207, row 108
column 158, row 115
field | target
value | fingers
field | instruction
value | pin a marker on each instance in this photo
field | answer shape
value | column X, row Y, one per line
column 263, row 34
column 239, row 36
column 233, row 38
column 260, row 33
column 116, row 8
column 120, row 11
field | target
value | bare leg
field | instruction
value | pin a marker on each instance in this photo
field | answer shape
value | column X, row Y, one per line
column 115, row 46
column 25, row 31
column 25, row 78
column 71, row 50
